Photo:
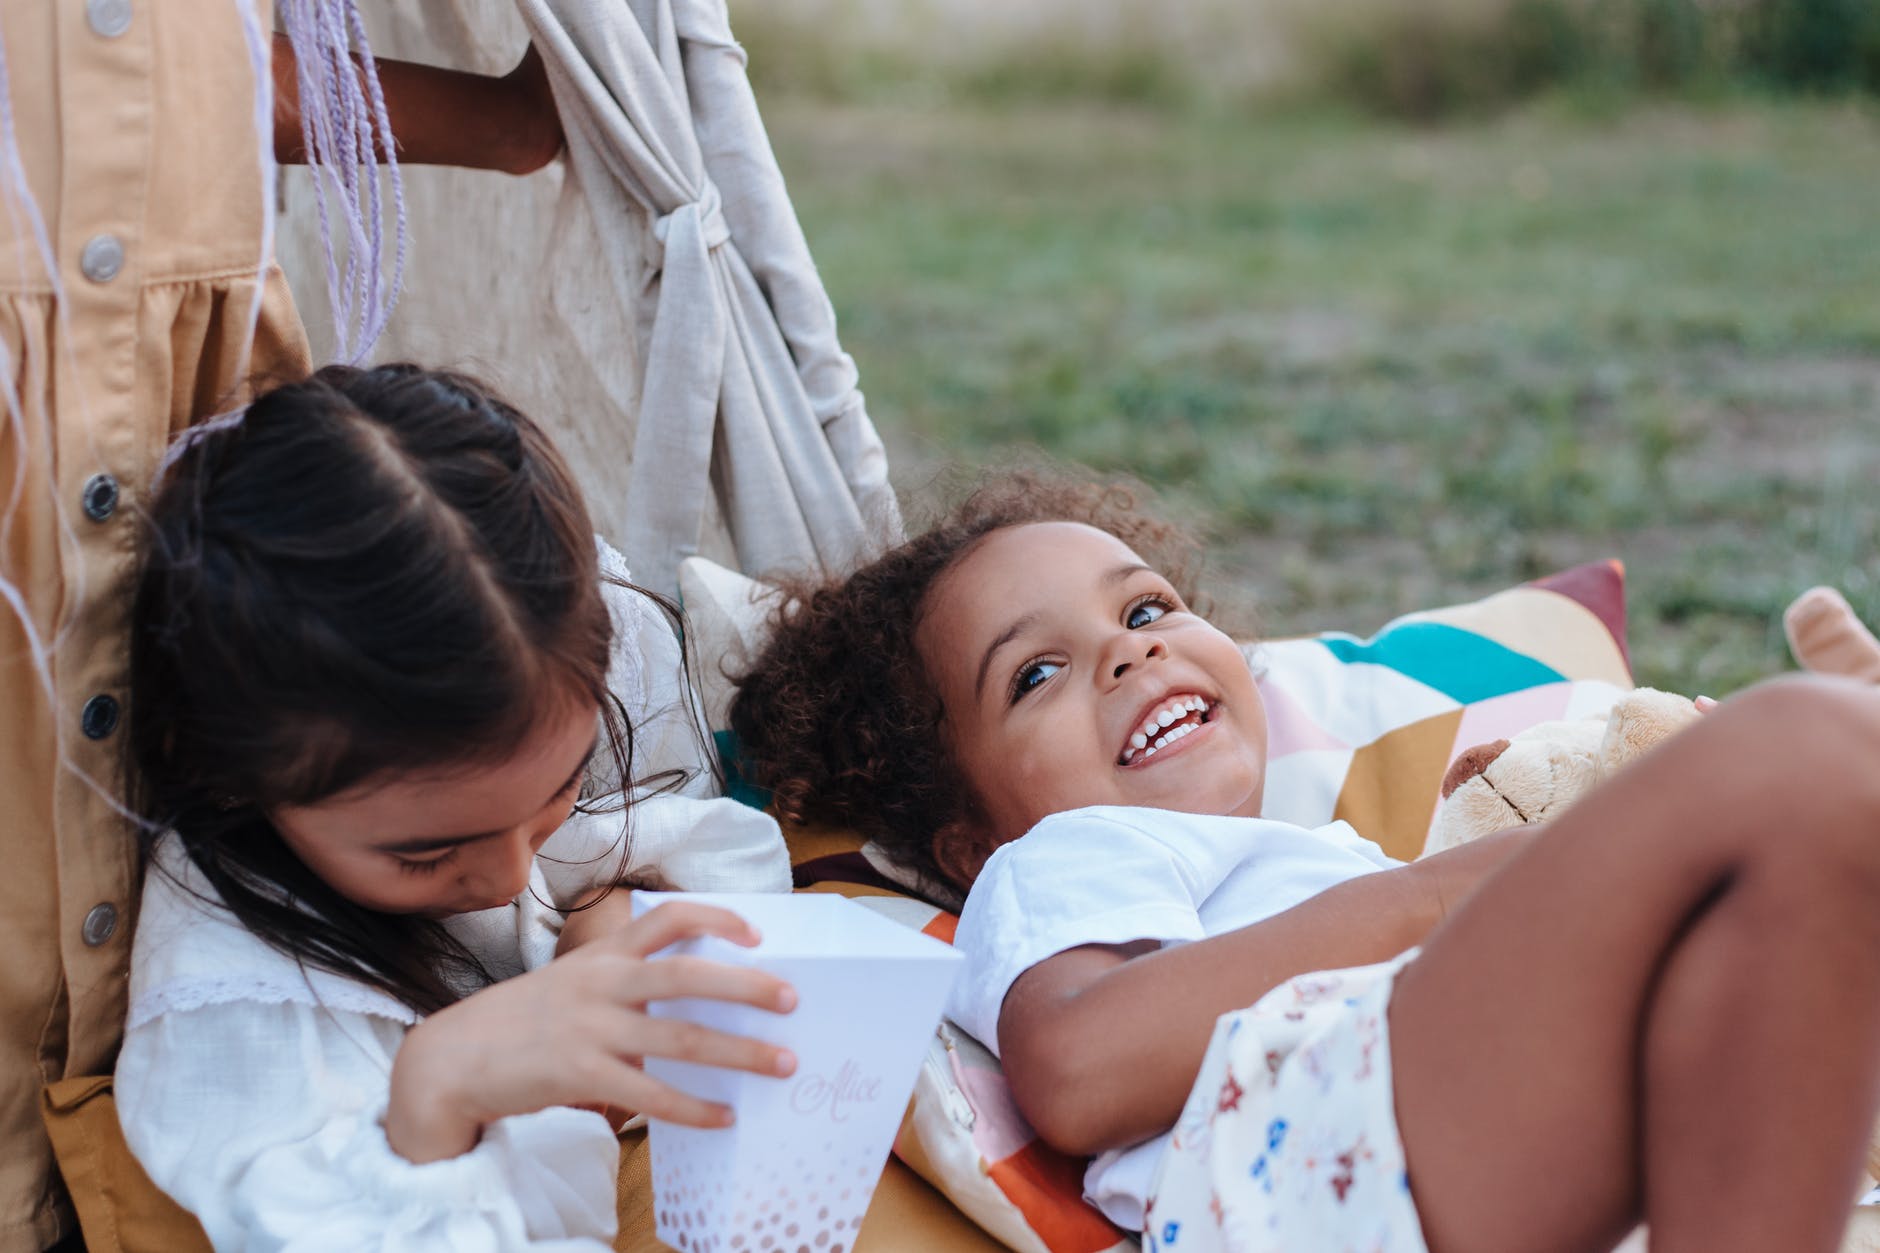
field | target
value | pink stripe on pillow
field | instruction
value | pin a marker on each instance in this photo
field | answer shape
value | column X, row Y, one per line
column 1502, row 717
column 999, row 1130
column 1289, row 728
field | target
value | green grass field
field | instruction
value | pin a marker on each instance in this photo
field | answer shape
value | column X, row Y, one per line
column 1384, row 367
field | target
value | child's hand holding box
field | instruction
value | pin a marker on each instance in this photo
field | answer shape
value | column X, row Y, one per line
column 798, row 1167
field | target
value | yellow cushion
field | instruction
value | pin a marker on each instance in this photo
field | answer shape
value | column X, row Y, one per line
column 118, row 1207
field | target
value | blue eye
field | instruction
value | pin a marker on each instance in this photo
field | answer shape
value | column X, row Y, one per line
column 1031, row 675
column 1142, row 613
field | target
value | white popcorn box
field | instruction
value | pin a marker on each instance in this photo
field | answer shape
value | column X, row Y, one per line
column 794, row 1174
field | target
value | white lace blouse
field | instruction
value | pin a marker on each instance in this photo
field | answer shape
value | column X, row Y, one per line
column 253, row 1091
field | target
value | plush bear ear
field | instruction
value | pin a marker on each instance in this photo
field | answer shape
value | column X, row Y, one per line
column 1643, row 719
column 1828, row 638
column 1472, row 762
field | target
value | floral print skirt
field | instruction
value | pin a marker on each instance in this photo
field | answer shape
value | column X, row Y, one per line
column 1288, row 1142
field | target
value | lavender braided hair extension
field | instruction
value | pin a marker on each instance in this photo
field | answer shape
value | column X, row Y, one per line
column 344, row 128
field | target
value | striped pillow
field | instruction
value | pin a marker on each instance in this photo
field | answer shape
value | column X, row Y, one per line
column 1363, row 730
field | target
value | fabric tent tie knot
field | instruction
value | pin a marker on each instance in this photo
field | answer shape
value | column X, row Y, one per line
column 739, row 356
column 703, row 219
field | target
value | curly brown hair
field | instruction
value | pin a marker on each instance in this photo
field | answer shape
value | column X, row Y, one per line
column 838, row 717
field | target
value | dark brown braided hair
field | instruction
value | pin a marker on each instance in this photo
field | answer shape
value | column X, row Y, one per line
column 837, row 716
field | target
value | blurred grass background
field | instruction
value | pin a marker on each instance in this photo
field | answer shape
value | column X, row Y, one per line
column 1399, row 303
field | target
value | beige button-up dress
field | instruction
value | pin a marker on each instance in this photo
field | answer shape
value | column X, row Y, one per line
column 136, row 131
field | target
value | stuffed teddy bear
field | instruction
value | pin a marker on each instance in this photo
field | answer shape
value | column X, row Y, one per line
column 1538, row 773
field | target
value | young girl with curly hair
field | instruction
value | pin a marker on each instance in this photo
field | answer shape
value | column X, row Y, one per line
column 398, row 725
column 1663, row 1008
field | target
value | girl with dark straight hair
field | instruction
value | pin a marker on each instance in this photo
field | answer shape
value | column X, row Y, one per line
column 393, row 711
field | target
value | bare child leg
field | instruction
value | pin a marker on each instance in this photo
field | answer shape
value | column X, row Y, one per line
column 1668, row 1008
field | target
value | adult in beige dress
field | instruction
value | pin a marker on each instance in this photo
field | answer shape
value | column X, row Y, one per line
column 137, row 139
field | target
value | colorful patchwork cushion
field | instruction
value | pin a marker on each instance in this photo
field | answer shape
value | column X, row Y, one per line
column 1363, row 729
column 1359, row 729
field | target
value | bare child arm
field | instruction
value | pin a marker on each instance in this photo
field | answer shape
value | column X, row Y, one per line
column 443, row 117
column 1101, row 1043
column 594, row 914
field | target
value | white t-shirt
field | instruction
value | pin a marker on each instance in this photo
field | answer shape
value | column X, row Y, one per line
column 253, row 1091
column 1110, row 875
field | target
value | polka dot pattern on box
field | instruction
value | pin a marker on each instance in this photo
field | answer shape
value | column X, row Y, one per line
column 811, row 1202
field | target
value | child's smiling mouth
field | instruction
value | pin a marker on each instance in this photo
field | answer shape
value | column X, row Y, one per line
column 1167, row 723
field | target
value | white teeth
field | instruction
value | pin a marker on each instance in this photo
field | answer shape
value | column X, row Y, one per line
column 1174, row 735
column 1154, row 732
column 1165, row 740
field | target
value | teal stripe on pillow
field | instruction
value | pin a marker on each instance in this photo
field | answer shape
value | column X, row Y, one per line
column 1462, row 665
